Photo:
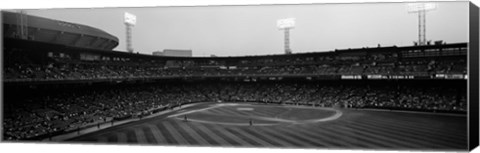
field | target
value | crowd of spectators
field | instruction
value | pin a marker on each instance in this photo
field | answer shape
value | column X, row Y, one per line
column 31, row 116
column 23, row 65
column 56, row 111
column 56, row 70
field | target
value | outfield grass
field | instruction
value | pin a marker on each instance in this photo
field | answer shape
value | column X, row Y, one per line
column 355, row 129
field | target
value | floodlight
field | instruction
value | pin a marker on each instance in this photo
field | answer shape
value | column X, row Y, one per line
column 130, row 19
column 421, row 9
column 417, row 7
column 286, row 23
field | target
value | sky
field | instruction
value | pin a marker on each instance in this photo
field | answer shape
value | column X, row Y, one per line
column 251, row 29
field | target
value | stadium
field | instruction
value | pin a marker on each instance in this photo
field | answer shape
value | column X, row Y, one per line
column 68, row 85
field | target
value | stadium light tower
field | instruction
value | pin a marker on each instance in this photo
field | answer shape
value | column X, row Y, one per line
column 421, row 9
column 130, row 21
column 286, row 25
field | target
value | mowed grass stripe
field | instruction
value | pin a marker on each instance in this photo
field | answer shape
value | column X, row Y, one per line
column 406, row 136
column 454, row 128
column 421, row 122
column 360, row 139
column 305, row 133
column 190, row 133
column 322, row 135
column 430, row 131
column 236, row 138
column 203, row 135
column 302, row 138
column 112, row 138
column 209, row 135
column 280, row 115
column 368, row 138
column 432, row 127
column 248, row 137
column 345, row 137
column 437, row 138
column 140, row 135
column 102, row 139
column 185, row 134
column 213, row 131
column 411, row 134
column 176, row 135
column 334, row 137
column 131, row 137
column 280, row 136
column 165, row 133
column 229, row 137
column 149, row 135
column 122, row 137
column 157, row 134
column 378, row 134
column 268, row 138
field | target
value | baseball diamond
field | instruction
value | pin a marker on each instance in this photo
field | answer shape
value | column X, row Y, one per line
column 213, row 124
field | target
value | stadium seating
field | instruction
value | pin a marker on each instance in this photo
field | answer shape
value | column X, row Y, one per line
column 72, row 109
column 81, row 70
column 28, row 117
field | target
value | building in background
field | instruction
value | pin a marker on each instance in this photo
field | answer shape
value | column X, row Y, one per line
column 173, row 52
column 157, row 53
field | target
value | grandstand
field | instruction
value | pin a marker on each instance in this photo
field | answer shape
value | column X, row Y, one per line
column 65, row 63
column 407, row 97
column 56, row 32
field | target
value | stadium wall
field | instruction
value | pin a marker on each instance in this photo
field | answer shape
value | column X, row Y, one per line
column 473, row 113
